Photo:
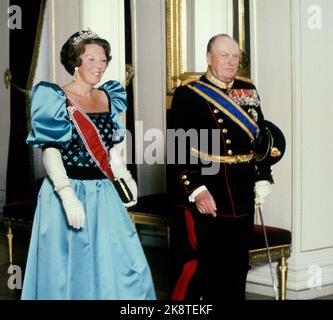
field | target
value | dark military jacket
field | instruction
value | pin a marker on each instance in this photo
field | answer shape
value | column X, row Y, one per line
column 232, row 185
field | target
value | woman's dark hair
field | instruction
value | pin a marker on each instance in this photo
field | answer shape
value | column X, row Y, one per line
column 76, row 45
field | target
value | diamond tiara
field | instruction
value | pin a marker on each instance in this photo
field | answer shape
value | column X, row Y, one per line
column 83, row 35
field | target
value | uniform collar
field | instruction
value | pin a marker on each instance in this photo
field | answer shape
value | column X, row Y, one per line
column 217, row 82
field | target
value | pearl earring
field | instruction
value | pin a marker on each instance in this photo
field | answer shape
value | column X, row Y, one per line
column 76, row 68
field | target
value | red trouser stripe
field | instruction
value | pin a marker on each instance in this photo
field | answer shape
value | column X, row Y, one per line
column 179, row 292
column 189, row 268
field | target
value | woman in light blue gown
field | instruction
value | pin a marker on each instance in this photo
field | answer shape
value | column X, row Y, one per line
column 83, row 243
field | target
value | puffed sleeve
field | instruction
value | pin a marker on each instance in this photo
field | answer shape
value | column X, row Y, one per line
column 50, row 125
column 117, row 97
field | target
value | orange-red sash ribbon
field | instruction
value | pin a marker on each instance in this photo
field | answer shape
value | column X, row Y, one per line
column 91, row 138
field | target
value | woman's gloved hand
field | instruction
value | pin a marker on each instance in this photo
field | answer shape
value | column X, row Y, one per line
column 56, row 171
column 120, row 172
column 73, row 208
column 134, row 189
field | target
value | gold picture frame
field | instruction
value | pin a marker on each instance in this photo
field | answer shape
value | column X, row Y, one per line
column 175, row 72
column 174, row 50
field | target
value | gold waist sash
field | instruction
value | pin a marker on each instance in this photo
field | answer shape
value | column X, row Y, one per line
column 240, row 158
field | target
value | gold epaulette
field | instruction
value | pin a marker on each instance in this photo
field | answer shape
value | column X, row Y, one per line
column 188, row 81
column 244, row 79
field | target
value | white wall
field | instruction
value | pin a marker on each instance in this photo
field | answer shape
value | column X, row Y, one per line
column 316, row 112
column 205, row 24
column 271, row 72
column 4, row 101
column 292, row 69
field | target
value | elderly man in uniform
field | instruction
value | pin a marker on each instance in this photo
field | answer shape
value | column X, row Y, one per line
column 220, row 206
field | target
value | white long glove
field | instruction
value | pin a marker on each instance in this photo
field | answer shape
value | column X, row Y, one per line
column 262, row 189
column 120, row 171
column 62, row 185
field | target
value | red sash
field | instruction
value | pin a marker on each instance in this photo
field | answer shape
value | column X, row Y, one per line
column 91, row 138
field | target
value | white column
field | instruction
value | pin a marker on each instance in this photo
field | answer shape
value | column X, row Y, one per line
column 65, row 19
column 106, row 18
column 150, row 88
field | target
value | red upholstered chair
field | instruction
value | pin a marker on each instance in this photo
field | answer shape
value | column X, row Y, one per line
column 158, row 210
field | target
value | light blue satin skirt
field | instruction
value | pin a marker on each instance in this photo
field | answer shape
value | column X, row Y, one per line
column 104, row 260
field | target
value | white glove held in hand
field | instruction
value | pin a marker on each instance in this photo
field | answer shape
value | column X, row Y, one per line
column 62, row 185
column 73, row 208
column 120, row 171
column 262, row 189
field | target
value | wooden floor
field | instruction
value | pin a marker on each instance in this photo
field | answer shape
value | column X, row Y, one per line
column 157, row 259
